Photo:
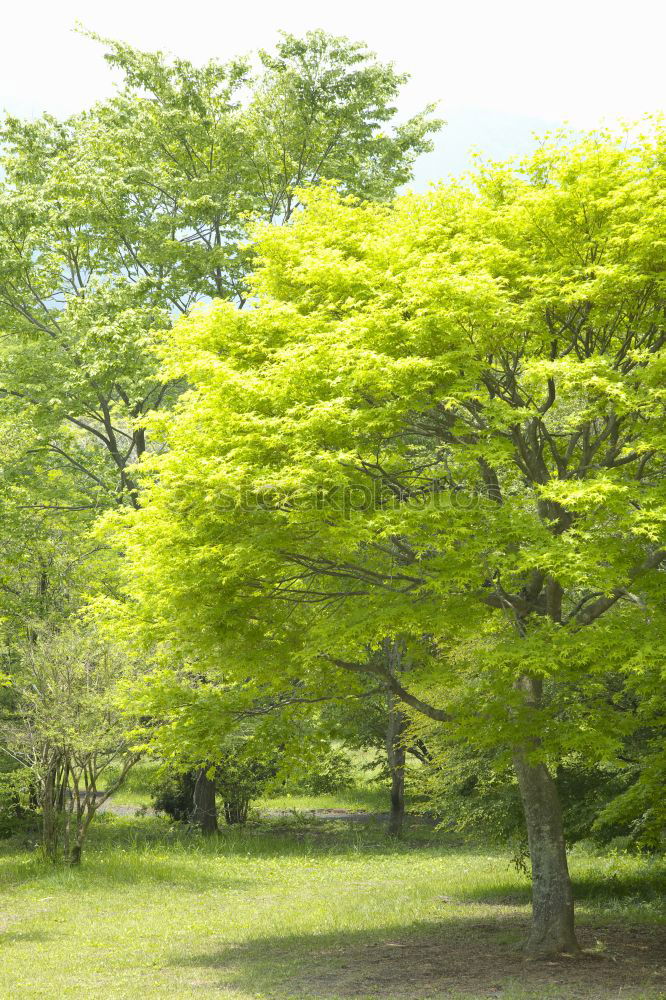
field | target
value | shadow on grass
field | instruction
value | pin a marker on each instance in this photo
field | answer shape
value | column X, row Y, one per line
column 122, row 854
column 645, row 885
column 598, row 887
column 133, row 850
column 182, row 878
column 293, row 837
column 149, row 850
column 23, row 937
column 372, row 799
column 452, row 957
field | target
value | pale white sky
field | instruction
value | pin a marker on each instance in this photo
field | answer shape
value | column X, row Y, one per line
column 500, row 68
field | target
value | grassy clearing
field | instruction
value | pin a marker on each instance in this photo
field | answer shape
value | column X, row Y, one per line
column 293, row 911
column 359, row 798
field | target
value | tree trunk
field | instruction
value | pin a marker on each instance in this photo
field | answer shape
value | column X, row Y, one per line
column 49, row 819
column 236, row 811
column 75, row 854
column 397, row 802
column 395, row 753
column 82, row 815
column 552, row 931
column 204, row 813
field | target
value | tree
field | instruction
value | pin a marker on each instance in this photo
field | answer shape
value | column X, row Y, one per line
column 376, row 721
column 214, row 735
column 442, row 425
column 68, row 731
column 119, row 218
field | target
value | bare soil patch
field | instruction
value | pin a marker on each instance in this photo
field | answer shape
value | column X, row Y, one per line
column 475, row 960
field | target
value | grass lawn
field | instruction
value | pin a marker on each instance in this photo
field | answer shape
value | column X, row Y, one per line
column 291, row 908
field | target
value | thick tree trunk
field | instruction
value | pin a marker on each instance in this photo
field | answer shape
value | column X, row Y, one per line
column 395, row 753
column 204, row 813
column 552, row 931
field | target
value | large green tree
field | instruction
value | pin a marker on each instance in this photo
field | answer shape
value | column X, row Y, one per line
column 126, row 215
column 116, row 221
column 440, row 434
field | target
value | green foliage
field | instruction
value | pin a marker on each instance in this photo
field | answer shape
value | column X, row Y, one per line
column 112, row 223
column 118, row 218
column 331, row 771
column 65, row 728
column 67, row 698
column 475, row 792
column 242, row 775
column 243, row 765
column 16, row 799
column 470, row 791
column 441, row 424
column 638, row 811
column 173, row 794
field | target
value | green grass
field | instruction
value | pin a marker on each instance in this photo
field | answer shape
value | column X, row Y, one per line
column 292, row 911
column 359, row 798
column 137, row 787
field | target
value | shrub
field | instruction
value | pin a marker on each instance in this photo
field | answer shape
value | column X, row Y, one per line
column 16, row 800
column 240, row 779
column 173, row 794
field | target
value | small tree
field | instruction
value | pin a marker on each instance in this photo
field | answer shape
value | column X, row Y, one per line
column 242, row 774
column 68, row 731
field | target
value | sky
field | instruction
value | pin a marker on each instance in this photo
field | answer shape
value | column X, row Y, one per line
column 500, row 71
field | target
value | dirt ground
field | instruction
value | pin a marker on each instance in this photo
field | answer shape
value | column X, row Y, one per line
column 617, row 964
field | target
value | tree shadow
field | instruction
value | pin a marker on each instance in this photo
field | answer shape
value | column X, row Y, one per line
column 643, row 885
column 23, row 937
column 451, row 957
column 289, row 835
column 120, row 855
column 596, row 887
column 131, row 850
column 178, row 876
